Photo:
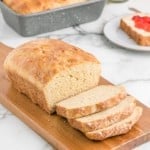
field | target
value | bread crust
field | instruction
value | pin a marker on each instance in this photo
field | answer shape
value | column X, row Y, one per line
column 34, row 6
column 80, row 112
column 48, row 56
column 122, row 127
column 34, row 65
column 23, row 86
column 106, row 121
column 137, row 37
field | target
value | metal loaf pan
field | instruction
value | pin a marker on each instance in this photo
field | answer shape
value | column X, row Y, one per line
column 51, row 20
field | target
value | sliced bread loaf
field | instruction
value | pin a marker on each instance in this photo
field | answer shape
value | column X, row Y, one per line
column 105, row 118
column 49, row 70
column 118, row 128
column 91, row 101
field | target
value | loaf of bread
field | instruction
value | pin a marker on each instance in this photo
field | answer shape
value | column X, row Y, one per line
column 91, row 101
column 141, row 34
column 118, row 128
column 33, row 6
column 49, row 70
column 105, row 118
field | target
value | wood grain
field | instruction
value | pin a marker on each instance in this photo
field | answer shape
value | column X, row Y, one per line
column 56, row 130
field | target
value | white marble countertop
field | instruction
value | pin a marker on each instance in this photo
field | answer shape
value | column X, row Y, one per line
column 120, row 66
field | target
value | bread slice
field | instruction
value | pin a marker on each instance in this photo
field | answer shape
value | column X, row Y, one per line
column 118, row 128
column 140, row 36
column 91, row 101
column 105, row 118
column 49, row 70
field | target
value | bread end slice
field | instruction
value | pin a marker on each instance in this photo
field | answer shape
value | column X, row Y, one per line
column 119, row 128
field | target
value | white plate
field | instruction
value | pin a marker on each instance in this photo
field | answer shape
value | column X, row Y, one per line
column 118, row 37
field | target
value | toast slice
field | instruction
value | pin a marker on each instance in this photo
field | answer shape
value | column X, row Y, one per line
column 91, row 101
column 140, row 36
column 119, row 128
column 105, row 118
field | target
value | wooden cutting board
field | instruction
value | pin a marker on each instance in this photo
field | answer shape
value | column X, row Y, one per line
column 56, row 130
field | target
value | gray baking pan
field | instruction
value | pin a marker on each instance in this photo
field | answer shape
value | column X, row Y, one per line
column 51, row 20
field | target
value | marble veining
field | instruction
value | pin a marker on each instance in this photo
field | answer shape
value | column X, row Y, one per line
column 4, row 113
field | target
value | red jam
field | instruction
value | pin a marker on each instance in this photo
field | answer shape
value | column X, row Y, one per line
column 142, row 22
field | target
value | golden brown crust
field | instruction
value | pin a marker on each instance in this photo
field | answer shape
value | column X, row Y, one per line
column 80, row 112
column 119, row 128
column 30, row 90
column 139, row 39
column 37, row 67
column 49, row 57
column 103, row 122
column 34, row 6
